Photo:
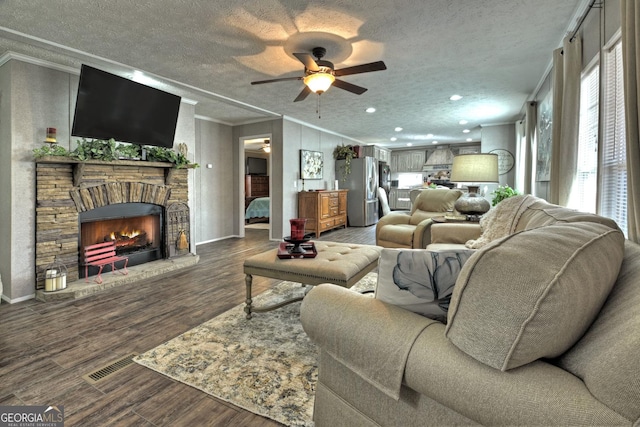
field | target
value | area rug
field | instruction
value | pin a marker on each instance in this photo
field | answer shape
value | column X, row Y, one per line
column 266, row 365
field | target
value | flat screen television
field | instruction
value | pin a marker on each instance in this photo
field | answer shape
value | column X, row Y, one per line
column 110, row 106
column 256, row 166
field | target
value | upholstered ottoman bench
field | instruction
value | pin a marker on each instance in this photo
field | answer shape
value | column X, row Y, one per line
column 342, row 264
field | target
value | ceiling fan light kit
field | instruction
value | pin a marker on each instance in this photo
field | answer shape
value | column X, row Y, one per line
column 320, row 75
column 319, row 82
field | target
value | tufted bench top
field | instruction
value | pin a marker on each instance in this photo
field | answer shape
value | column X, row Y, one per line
column 338, row 263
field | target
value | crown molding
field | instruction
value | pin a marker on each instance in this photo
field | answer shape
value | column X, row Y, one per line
column 9, row 55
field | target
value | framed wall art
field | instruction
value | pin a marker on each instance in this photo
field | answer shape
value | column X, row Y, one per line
column 311, row 164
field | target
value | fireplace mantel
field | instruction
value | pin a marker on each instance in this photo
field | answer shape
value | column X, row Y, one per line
column 79, row 166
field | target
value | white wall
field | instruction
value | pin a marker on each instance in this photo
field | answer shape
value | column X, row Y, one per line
column 296, row 137
column 213, row 190
column 6, row 196
column 39, row 98
column 501, row 137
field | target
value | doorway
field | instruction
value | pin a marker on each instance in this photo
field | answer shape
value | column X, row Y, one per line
column 255, row 183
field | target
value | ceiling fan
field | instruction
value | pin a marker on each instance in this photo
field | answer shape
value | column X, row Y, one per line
column 320, row 75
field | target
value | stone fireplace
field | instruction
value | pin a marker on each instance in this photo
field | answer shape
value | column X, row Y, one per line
column 142, row 206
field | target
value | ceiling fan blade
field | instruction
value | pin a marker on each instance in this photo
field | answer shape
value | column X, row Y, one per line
column 364, row 68
column 259, row 82
column 302, row 95
column 350, row 87
column 307, row 60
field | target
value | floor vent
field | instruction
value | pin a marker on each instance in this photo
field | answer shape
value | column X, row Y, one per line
column 112, row 368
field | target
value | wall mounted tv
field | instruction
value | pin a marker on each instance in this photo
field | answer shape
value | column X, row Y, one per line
column 110, row 106
column 256, row 166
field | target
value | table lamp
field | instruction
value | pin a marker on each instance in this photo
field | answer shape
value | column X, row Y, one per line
column 474, row 168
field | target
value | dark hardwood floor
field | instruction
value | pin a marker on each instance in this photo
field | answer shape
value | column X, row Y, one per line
column 46, row 348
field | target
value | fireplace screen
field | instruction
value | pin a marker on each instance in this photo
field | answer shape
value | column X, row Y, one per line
column 136, row 229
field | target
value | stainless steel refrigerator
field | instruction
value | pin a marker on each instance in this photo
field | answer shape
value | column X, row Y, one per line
column 362, row 183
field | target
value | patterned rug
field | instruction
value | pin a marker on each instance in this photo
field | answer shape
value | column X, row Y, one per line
column 266, row 365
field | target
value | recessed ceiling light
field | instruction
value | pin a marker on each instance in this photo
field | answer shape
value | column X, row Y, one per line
column 429, row 135
column 466, row 131
column 394, row 138
column 434, row 142
column 398, row 129
column 409, row 144
column 370, row 110
column 455, row 97
column 463, row 122
column 469, row 139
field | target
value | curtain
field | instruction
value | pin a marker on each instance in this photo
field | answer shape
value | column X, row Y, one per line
column 566, row 120
column 531, row 121
column 630, row 49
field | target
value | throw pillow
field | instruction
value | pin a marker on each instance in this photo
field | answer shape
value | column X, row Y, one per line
column 533, row 294
column 419, row 280
column 501, row 220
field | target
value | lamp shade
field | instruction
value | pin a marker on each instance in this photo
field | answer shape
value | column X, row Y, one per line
column 475, row 168
column 319, row 82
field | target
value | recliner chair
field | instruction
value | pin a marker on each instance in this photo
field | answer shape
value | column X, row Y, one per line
column 411, row 229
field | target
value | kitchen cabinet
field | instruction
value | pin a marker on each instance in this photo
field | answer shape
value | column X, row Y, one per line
column 383, row 154
column 407, row 161
column 416, row 161
column 324, row 210
column 393, row 162
column 379, row 153
column 403, row 201
column 399, row 199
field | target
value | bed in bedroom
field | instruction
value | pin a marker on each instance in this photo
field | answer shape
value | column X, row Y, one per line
column 258, row 210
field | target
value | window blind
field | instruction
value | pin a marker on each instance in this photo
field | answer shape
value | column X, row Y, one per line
column 613, row 187
column 583, row 194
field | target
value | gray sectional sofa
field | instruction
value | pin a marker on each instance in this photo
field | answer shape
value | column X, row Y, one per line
column 543, row 328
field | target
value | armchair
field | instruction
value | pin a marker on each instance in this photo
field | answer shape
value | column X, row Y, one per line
column 411, row 229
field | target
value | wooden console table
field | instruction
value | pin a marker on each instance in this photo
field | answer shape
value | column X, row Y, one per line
column 324, row 210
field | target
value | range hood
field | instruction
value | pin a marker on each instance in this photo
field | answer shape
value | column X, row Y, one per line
column 440, row 159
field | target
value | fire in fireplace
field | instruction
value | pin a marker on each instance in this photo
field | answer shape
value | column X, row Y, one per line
column 136, row 229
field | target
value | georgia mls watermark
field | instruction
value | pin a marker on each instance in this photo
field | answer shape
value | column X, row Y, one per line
column 31, row 416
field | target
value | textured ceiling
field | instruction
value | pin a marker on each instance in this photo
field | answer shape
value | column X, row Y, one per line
column 492, row 52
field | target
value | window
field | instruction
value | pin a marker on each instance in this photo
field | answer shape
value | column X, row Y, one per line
column 583, row 194
column 613, row 187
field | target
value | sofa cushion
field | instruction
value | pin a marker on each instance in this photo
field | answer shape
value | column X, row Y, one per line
column 401, row 234
column 533, row 294
column 436, row 200
column 419, row 280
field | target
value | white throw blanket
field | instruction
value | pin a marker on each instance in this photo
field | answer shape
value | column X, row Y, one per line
column 501, row 220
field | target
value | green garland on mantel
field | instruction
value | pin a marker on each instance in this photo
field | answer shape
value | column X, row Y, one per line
column 110, row 150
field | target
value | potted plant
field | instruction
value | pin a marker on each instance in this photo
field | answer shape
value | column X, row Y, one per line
column 501, row 193
column 346, row 153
